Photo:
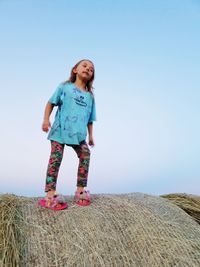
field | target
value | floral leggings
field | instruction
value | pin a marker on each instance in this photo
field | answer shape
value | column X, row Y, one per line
column 55, row 160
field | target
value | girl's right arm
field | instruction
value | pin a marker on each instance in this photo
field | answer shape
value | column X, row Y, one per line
column 46, row 123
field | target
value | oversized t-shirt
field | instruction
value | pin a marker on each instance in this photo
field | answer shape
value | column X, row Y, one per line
column 76, row 109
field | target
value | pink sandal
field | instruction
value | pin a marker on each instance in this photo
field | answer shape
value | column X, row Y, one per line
column 56, row 202
column 82, row 198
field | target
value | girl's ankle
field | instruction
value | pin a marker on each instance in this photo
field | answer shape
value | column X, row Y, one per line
column 80, row 188
column 51, row 193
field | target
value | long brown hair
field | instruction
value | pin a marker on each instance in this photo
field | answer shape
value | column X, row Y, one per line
column 72, row 77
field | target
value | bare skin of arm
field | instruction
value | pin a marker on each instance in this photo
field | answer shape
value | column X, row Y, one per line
column 46, row 123
column 90, row 132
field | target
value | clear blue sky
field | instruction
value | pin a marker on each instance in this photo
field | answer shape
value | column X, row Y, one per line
column 147, row 89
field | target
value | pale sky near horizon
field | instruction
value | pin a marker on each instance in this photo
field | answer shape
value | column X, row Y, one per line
column 147, row 90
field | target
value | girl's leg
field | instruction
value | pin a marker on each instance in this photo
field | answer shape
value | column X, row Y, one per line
column 83, row 154
column 53, row 166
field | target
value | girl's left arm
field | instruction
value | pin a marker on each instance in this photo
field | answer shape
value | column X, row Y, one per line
column 90, row 132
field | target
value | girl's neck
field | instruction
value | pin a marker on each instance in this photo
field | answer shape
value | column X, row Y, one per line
column 80, row 84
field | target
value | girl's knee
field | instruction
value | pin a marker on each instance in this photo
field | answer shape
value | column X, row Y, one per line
column 85, row 149
column 85, row 152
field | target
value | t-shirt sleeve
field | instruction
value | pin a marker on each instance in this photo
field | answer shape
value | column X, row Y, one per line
column 55, row 99
column 93, row 112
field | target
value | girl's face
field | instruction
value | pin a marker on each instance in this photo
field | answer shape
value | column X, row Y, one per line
column 84, row 70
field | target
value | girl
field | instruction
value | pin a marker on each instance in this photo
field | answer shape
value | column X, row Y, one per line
column 75, row 115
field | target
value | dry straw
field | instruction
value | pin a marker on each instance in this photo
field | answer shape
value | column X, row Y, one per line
column 189, row 203
column 135, row 230
column 9, row 247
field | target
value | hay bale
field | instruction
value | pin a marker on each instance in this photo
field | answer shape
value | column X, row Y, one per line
column 189, row 203
column 115, row 230
column 9, row 231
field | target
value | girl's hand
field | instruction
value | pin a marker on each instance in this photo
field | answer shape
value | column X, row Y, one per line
column 91, row 141
column 45, row 126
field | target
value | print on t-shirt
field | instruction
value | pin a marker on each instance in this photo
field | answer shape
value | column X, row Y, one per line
column 80, row 101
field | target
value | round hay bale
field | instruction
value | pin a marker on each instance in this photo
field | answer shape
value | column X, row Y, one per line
column 9, row 231
column 189, row 203
column 115, row 230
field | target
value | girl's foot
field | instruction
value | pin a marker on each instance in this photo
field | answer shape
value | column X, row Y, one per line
column 53, row 202
column 82, row 198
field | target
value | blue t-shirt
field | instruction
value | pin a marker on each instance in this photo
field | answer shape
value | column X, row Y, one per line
column 76, row 109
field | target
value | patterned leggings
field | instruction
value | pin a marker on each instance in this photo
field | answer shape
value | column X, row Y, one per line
column 55, row 160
